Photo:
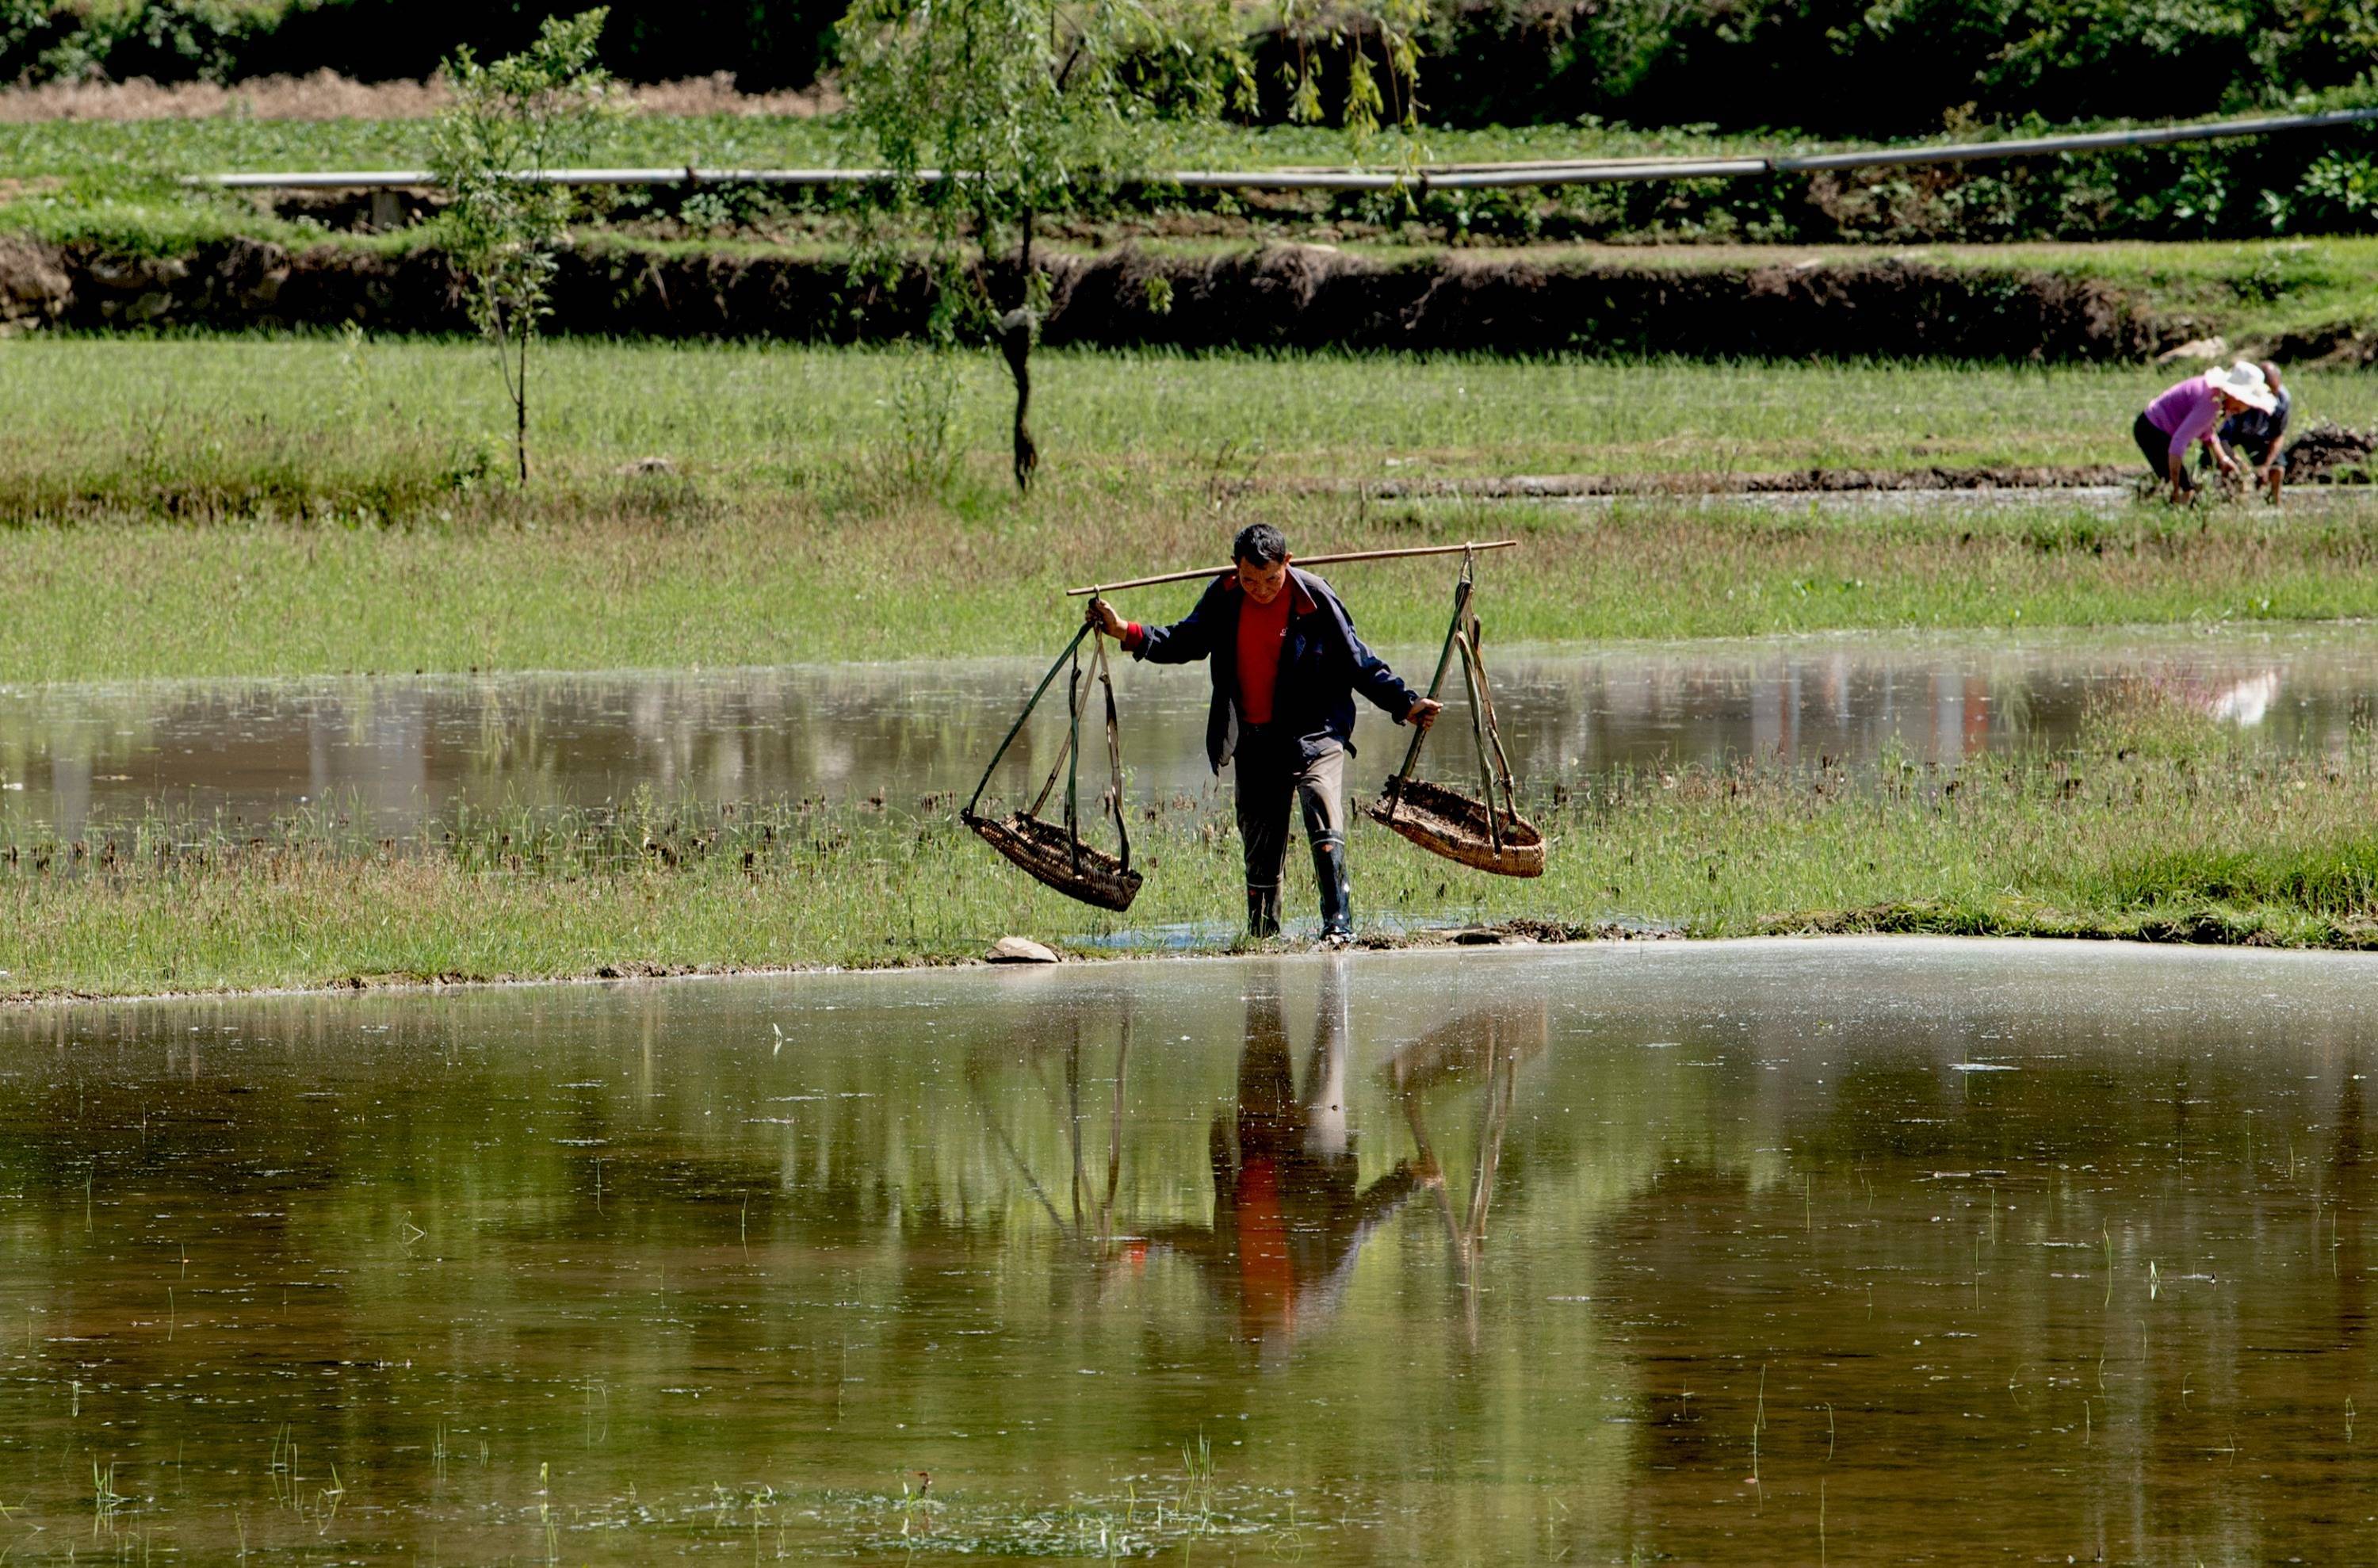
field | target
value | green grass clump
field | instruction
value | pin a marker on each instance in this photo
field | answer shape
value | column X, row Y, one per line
column 2338, row 878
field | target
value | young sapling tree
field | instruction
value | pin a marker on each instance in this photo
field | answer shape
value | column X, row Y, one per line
column 991, row 116
column 492, row 148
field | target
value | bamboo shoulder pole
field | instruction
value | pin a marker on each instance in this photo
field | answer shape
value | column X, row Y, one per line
column 1298, row 560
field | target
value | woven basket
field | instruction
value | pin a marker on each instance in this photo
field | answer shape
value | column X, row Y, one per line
column 1444, row 822
column 1053, row 858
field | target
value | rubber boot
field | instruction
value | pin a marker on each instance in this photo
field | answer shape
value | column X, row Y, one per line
column 1337, row 891
column 1263, row 913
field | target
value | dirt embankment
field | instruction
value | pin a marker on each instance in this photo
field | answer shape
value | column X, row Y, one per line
column 1278, row 296
column 1801, row 481
column 2332, row 454
column 326, row 95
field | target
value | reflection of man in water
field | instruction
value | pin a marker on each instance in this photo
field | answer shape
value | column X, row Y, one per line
column 1291, row 1216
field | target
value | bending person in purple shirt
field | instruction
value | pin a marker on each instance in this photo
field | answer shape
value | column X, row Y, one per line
column 2192, row 412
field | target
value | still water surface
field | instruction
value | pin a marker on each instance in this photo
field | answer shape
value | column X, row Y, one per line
column 399, row 751
column 1766, row 1252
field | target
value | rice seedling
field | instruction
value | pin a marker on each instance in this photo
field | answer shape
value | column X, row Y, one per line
column 1196, row 1498
column 1758, row 1423
column 106, row 1503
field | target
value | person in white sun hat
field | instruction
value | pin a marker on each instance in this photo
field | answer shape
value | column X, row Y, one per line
column 2191, row 412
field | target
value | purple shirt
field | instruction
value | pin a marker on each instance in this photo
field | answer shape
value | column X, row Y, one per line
column 2189, row 412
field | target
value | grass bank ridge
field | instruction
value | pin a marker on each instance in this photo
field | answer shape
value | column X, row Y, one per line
column 1273, row 296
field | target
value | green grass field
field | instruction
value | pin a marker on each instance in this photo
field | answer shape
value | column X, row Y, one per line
column 103, row 417
column 278, row 506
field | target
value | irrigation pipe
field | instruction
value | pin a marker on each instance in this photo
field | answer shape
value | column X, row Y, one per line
column 1299, row 561
column 1459, row 176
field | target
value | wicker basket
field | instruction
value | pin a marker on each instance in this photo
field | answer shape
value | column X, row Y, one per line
column 1444, row 822
column 1053, row 857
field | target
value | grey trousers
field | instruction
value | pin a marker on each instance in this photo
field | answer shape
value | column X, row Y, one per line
column 1271, row 774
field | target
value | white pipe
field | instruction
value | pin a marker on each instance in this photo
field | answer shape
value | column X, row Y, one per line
column 1464, row 176
column 1600, row 174
column 2024, row 147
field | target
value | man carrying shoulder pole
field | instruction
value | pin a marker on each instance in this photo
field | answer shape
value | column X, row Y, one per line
column 1286, row 665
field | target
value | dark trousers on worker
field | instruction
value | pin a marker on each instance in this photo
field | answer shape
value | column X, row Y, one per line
column 1274, row 773
column 2156, row 447
column 2256, row 454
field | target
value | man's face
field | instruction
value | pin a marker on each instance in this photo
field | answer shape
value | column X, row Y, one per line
column 1263, row 583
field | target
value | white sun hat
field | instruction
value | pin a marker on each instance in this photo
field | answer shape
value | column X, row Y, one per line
column 2244, row 382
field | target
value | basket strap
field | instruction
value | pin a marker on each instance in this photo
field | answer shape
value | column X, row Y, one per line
column 1478, row 730
column 1461, row 588
column 1064, row 749
column 1017, row 728
column 1074, row 759
column 1049, row 785
column 1493, row 732
column 1114, row 743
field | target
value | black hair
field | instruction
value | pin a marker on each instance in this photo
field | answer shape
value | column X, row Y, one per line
column 1259, row 544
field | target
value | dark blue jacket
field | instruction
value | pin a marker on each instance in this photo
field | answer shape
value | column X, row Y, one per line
column 1322, row 665
column 2257, row 433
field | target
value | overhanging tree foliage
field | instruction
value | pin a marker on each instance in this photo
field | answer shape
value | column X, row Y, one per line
column 995, row 114
column 510, row 121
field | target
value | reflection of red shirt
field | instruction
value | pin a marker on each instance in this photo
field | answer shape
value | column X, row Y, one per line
column 1262, row 628
column 1266, row 1277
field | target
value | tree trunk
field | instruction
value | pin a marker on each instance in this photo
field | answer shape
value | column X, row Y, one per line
column 1015, row 335
column 519, row 401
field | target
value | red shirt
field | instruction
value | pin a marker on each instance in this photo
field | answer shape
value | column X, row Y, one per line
column 1262, row 628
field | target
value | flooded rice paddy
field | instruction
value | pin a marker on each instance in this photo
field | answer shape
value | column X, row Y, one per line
column 1909, row 1252
column 397, row 751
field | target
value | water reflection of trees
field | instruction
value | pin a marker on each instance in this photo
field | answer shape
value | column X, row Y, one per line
column 398, row 749
column 1564, row 1214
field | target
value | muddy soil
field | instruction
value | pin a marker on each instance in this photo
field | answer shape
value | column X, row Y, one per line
column 2331, row 454
column 2327, row 455
column 1804, row 481
column 1275, row 296
column 327, row 95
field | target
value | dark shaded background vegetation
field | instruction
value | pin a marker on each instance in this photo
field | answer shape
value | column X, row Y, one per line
column 1830, row 67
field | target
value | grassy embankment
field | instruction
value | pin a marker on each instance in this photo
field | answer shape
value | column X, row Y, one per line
column 115, row 182
column 207, row 507
column 2160, row 827
column 118, row 180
